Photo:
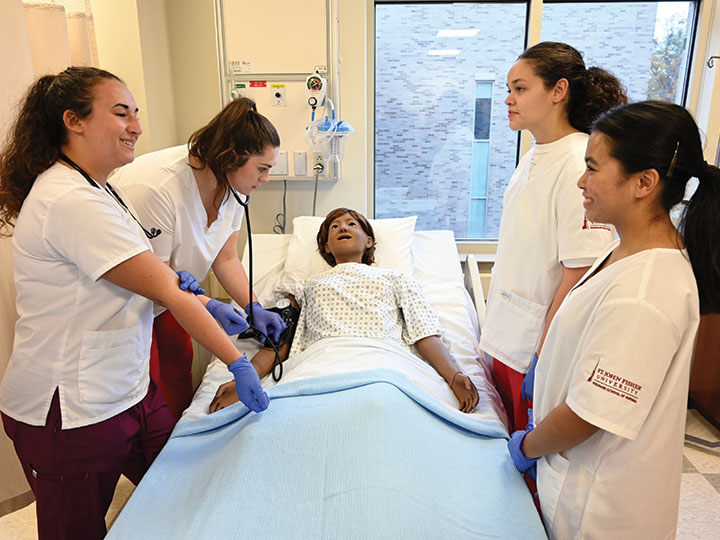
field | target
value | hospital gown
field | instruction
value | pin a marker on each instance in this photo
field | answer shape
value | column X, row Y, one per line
column 353, row 299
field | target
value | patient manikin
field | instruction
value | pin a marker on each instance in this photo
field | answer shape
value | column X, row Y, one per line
column 356, row 299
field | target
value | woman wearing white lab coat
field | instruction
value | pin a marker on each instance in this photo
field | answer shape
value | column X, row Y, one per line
column 612, row 379
column 76, row 398
column 189, row 193
column 545, row 243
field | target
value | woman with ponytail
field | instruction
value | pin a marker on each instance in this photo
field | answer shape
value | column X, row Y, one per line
column 545, row 243
column 189, row 192
column 612, row 381
column 76, row 398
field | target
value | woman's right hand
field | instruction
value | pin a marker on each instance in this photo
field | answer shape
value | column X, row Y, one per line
column 247, row 385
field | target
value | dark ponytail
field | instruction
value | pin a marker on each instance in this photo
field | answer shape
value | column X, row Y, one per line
column 700, row 224
column 664, row 136
column 228, row 140
column 590, row 91
column 34, row 140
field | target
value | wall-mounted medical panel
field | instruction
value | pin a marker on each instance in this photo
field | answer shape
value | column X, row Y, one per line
column 267, row 51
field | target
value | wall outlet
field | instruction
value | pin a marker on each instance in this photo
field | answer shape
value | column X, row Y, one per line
column 300, row 164
column 278, row 94
column 281, row 166
column 319, row 159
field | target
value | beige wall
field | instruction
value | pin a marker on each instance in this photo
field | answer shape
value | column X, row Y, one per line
column 166, row 51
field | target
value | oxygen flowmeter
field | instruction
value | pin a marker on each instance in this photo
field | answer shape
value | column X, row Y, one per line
column 315, row 89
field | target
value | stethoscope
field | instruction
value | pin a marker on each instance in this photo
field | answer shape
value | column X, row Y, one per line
column 277, row 369
column 152, row 233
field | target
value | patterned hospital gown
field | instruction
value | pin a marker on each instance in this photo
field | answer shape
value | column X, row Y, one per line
column 353, row 299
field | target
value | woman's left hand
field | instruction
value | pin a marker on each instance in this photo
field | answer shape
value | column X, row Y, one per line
column 268, row 322
column 465, row 392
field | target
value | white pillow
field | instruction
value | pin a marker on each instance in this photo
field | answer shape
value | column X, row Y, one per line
column 393, row 239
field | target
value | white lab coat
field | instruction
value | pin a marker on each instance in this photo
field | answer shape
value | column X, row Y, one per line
column 76, row 332
column 164, row 192
column 618, row 352
column 543, row 227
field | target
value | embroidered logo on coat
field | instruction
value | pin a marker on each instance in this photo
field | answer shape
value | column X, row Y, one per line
column 614, row 384
column 588, row 225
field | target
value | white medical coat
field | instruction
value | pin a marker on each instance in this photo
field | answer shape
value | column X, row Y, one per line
column 163, row 190
column 618, row 352
column 76, row 332
column 543, row 226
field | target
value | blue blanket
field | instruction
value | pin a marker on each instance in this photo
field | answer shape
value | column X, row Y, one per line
column 358, row 456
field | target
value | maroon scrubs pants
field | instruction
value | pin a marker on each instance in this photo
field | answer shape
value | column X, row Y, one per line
column 171, row 359
column 73, row 472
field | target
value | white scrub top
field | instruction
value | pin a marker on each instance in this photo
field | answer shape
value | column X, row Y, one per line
column 618, row 352
column 163, row 190
column 543, row 225
column 76, row 332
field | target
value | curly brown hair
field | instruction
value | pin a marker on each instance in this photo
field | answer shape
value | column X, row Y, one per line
column 322, row 235
column 228, row 140
column 34, row 141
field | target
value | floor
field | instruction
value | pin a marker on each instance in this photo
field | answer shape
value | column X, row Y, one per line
column 699, row 497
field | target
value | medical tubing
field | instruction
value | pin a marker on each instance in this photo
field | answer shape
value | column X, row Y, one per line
column 277, row 362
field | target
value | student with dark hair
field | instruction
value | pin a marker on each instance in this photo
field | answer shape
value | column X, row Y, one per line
column 356, row 299
column 76, row 399
column 612, row 380
column 545, row 243
column 189, row 192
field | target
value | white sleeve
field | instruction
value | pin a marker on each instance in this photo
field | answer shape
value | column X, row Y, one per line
column 630, row 347
column 580, row 242
column 89, row 229
column 154, row 208
column 419, row 317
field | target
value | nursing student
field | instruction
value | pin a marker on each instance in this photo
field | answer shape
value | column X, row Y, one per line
column 612, row 381
column 77, row 399
column 190, row 193
column 545, row 242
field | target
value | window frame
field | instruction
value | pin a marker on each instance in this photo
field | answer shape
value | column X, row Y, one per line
column 699, row 31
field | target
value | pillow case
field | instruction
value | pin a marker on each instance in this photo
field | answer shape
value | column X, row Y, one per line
column 393, row 238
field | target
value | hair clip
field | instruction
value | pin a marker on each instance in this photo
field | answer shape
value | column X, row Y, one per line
column 671, row 168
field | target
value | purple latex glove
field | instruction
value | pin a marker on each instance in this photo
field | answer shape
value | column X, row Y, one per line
column 230, row 318
column 247, row 385
column 189, row 283
column 268, row 322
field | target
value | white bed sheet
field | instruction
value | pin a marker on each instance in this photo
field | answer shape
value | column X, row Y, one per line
column 437, row 268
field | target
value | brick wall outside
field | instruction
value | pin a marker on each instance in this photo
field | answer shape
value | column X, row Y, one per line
column 424, row 105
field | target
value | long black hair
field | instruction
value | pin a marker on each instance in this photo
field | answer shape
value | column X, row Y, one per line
column 663, row 136
column 591, row 91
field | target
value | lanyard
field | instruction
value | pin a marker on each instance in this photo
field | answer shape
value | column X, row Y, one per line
column 150, row 234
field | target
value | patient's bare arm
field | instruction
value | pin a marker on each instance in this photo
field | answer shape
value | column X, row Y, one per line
column 262, row 362
column 432, row 349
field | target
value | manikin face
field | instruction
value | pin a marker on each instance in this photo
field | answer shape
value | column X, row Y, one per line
column 605, row 186
column 529, row 102
column 112, row 127
column 255, row 171
column 347, row 241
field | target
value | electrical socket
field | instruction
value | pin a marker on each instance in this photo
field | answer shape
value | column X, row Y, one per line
column 319, row 157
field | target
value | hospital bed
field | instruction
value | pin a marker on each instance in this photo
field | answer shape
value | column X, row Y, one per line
column 361, row 440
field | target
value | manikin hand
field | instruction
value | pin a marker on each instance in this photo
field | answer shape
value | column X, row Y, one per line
column 465, row 392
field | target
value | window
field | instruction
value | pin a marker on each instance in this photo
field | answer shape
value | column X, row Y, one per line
column 443, row 149
column 645, row 44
